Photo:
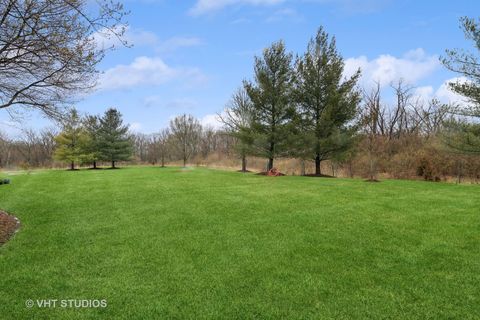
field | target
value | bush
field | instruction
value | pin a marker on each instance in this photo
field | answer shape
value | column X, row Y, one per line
column 4, row 181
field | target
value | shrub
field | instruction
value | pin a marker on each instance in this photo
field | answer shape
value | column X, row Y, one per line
column 4, row 181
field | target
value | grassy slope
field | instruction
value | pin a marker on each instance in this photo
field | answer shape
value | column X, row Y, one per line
column 168, row 243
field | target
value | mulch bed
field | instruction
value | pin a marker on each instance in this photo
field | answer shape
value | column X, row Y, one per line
column 265, row 173
column 318, row 175
column 8, row 226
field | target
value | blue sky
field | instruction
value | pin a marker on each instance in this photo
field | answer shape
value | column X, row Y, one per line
column 189, row 56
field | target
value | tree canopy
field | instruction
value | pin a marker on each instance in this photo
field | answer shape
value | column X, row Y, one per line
column 48, row 50
column 72, row 141
column 464, row 135
column 113, row 141
column 186, row 131
column 272, row 106
column 326, row 103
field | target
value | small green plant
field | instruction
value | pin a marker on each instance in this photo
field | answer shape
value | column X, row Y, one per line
column 4, row 181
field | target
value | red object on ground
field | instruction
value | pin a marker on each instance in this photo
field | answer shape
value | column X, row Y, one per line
column 273, row 172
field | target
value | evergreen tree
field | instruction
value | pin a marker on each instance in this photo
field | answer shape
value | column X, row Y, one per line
column 464, row 135
column 91, row 148
column 113, row 141
column 271, row 102
column 326, row 103
column 71, row 141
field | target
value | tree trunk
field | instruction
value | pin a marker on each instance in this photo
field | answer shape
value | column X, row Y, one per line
column 318, row 170
column 72, row 165
column 94, row 164
column 270, row 160
column 184, row 162
column 302, row 167
column 372, row 169
column 270, row 164
column 113, row 164
column 244, row 164
column 163, row 162
column 459, row 171
column 350, row 169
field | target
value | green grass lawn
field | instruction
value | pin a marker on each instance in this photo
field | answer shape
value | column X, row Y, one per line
column 172, row 243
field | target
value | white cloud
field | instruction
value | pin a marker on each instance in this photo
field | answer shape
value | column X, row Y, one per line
column 443, row 92
column 106, row 38
column 147, row 71
column 424, row 93
column 212, row 121
column 135, row 127
column 411, row 67
column 139, row 37
column 208, row 6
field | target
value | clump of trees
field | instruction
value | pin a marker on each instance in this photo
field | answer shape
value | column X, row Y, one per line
column 303, row 109
column 184, row 140
column 31, row 149
column 93, row 139
column 308, row 110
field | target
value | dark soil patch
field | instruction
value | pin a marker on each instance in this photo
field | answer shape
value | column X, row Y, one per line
column 372, row 180
column 265, row 173
column 319, row 176
column 8, row 226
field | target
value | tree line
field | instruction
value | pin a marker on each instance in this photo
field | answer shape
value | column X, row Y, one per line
column 91, row 139
column 307, row 109
column 301, row 108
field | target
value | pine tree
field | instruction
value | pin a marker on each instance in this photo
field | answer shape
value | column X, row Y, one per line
column 113, row 141
column 271, row 102
column 91, row 147
column 71, row 141
column 464, row 135
column 326, row 103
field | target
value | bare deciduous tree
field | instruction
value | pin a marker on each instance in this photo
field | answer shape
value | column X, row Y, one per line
column 237, row 119
column 186, row 131
column 48, row 52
